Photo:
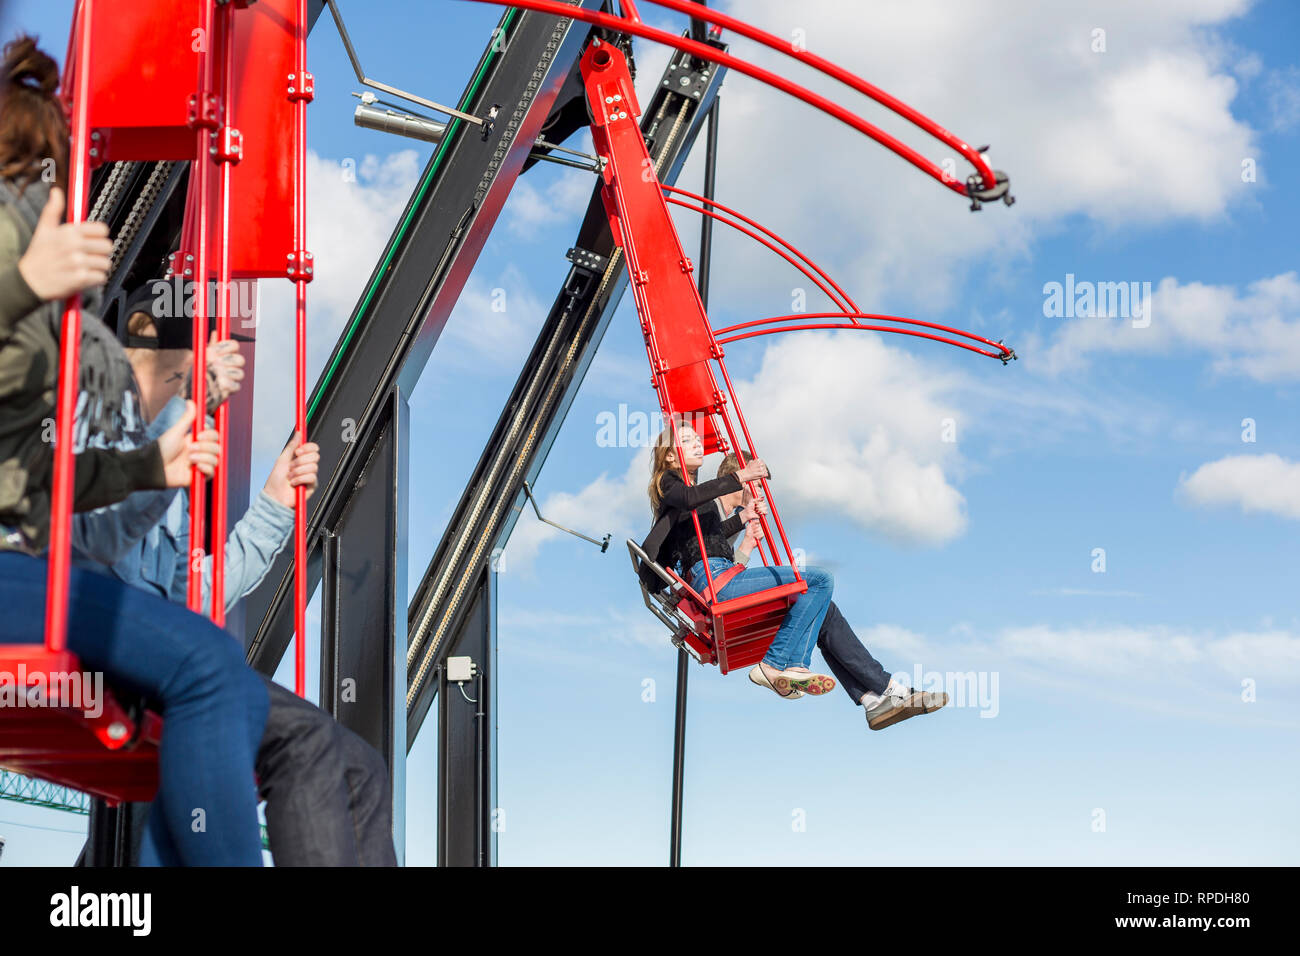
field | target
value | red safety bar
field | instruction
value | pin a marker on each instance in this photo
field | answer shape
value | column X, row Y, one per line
column 204, row 118
column 731, row 634
column 226, row 153
column 849, row 309
column 301, row 91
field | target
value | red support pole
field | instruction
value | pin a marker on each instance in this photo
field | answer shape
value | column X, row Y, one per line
column 301, row 86
column 203, row 116
column 60, row 555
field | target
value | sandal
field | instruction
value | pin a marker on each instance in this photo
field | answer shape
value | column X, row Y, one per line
column 810, row 683
column 757, row 675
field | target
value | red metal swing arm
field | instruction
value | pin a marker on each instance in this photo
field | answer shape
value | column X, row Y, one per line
column 816, row 275
column 1004, row 352
column 778, row 245
column 626, row 24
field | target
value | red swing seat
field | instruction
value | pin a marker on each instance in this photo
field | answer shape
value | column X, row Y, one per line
column 731, row 634
column 113, row 755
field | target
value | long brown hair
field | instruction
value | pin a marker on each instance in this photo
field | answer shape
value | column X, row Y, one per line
column 34, row 127
column 660, row 465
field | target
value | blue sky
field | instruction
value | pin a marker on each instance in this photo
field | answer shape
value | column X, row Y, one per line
column 1119, row 692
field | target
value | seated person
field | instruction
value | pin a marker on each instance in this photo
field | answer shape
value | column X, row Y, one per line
column 784, row 667
column 884, row 699
column 328, row 801
column 214, row 707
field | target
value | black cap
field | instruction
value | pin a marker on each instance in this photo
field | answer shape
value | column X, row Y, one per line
column 169, row 302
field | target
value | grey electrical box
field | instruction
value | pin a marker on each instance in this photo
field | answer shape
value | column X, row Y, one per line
column 460, row 669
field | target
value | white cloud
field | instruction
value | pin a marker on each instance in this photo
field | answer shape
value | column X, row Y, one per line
column 850, row 428
column 1131, row 650
column 1143, row 133
column 1255, row 333
column 540, row 201
column 494, row 322
column 348, row 223
column 620, row 624
column 1283, row 91
column 618, row 505
column 1092, row 652
column 1136, row 650
column 853, row 427
column 1266, row 484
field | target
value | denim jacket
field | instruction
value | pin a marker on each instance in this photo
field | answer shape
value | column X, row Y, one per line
column 144, row 540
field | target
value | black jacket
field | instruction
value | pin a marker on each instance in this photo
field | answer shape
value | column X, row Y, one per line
column 673, row 536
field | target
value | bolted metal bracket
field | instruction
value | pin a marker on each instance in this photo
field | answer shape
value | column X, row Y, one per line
column 227, row 145
column 1000, row 190
column 306, row 90
column 684, row 76
column 592, row 262
column 204, row 111
column 300, row 266
column 181, row 263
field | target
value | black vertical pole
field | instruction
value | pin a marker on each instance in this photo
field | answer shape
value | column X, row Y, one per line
column 683, row 659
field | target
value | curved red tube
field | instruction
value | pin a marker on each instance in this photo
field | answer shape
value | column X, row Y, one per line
column 714, row 55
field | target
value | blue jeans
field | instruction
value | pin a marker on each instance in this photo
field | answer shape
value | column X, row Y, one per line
column 797, row 636
column 214, row 707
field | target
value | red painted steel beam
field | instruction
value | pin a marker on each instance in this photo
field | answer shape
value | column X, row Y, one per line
column 679, row 340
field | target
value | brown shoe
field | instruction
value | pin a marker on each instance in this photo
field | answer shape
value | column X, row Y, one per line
column 890, row 710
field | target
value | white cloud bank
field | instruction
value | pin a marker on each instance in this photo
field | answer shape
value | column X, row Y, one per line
column 1254, row 334
column 1257, row 484
column 1140, row 134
